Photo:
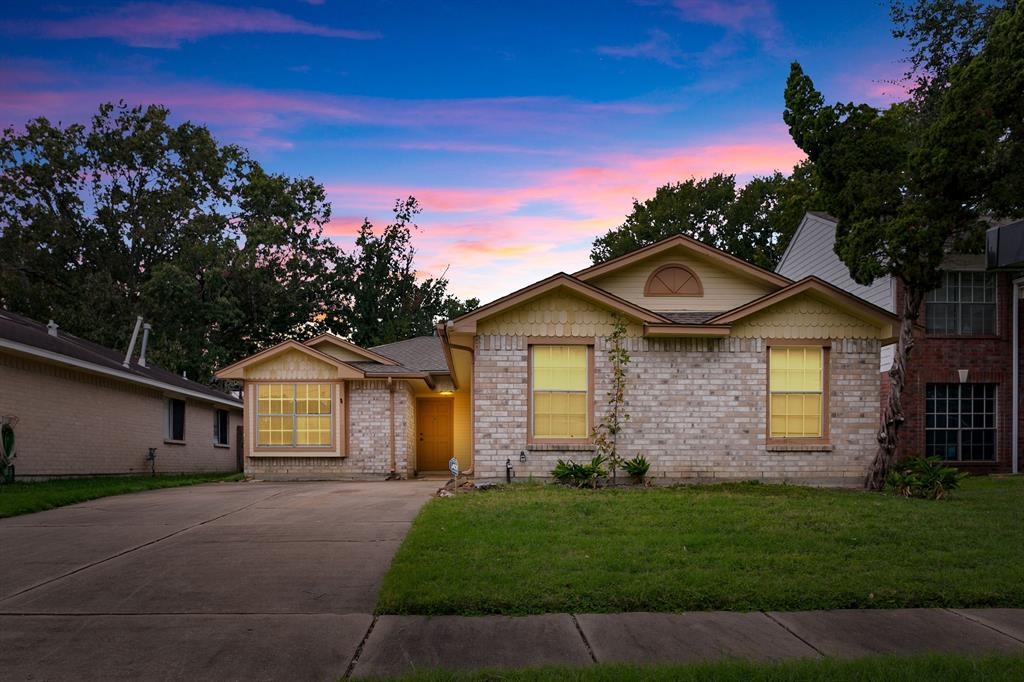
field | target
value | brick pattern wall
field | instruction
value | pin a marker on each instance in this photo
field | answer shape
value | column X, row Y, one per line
column 698, row 409
column 936, row 359
column 72, row 424
column 369, row 439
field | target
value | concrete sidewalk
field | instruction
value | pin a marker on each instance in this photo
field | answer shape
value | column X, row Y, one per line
column 399, row 644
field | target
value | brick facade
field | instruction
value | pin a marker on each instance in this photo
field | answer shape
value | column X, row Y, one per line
column 71, row 423
column 369, row 439
column 936, row 359
column 698, row 409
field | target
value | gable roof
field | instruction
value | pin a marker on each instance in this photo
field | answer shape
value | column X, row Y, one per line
column 557, row 281
column 700, row 248
column 237, row 370
column 27, row 336
column 422, row 353
column 351, row 347
column 846, row 301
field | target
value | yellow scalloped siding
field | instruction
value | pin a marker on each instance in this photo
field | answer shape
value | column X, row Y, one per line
column 724, row 289
column 556, row 314
column 292, row 365
column 804, row 317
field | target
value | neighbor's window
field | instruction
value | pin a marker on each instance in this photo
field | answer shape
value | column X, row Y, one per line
column 221, row 420
column 293, row 415
column 175, row 419
column 965, row 303
column 561, row 402
column 796, row 393
column 960, row 421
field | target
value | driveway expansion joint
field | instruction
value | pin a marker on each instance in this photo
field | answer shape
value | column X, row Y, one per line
column 359, row 650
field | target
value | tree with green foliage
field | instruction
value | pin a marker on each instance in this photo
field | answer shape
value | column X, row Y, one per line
column 380, row 299
column 754, row 222
column 913, row 182
column 133, row 215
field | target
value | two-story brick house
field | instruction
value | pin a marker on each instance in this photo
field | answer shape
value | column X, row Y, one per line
column 958, row 400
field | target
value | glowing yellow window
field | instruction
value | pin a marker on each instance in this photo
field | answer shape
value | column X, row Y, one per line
column 796, row 394
column 561, row 402
column 293, row 415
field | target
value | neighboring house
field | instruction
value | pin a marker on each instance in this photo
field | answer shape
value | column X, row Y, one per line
column 958, row 400
column 737, row 373
column 80, row 411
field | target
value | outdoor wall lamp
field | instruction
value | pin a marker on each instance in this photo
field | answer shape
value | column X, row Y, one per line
column 522, row 455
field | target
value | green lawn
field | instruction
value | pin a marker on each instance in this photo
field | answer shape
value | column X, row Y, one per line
column 23, row 497
column 932, row 668
column 535, row 549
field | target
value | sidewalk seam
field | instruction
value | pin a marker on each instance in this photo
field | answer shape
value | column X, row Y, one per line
column 136, row 548
column 787, row 629
column 983, row 624
column 586, row 642
column 359, row 649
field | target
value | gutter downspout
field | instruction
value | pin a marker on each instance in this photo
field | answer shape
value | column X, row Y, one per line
column 1015, row 428
column 391, row 392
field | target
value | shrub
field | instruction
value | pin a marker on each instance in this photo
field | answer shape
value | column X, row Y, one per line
column 580, row 475
column 637, row 468
column 924, row 477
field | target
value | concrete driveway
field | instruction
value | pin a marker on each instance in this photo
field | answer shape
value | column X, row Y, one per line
column 217, row 581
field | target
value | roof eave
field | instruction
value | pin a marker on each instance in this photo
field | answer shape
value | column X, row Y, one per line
column 59, row 358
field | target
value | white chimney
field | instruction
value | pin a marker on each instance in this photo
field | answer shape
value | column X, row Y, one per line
column 131, row 346
column 145, row 340
column 51, row 328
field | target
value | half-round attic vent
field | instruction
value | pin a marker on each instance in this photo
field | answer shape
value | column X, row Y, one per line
column 673, row 280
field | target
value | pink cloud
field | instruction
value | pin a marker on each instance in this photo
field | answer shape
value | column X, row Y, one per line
column 493, row 243
column 743, row 16
column 159, row 25
column 659, row 46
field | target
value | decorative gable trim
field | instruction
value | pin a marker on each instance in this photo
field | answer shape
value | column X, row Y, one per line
column 237, row 370
column 674, row 279
column 467, row 322
column 351, row 347
column 692, row 245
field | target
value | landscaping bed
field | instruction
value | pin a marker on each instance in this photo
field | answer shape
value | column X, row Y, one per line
column 24, row 497
column 526, row 548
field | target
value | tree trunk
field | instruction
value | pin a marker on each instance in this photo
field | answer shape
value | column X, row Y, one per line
column 892, row 419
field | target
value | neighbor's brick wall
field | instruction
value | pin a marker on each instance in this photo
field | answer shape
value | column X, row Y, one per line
column 698, row 411
column 72, row 424
column 369, row 439
column 989, row 359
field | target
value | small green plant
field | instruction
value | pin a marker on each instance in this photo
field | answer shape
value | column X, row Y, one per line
column 637, row 468
column 580, row 475
column 924, row 477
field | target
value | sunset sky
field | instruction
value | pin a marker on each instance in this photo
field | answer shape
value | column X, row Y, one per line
column 524, row 128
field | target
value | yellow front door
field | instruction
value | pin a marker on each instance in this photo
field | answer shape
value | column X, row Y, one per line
column 433, row 433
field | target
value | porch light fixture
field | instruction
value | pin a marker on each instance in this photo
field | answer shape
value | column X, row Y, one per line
column 444, row 392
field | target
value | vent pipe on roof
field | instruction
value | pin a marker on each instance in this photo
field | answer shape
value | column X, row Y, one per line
column 51, row 328
column 131, row 345
column 145, row 341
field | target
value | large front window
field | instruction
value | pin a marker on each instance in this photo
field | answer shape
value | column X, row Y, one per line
column 960, row 421
column 560, row 377
column 796, row 392
column 964, row 304
column 293, row 415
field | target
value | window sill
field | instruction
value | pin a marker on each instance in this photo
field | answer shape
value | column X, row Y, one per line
column 222, row 445
column 168, row 441
column 799, row 447
column 561, row 447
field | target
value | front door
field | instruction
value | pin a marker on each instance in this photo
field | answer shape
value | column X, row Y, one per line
column 434, row 433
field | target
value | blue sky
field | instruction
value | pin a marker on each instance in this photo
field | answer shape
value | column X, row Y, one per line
column 524, row 128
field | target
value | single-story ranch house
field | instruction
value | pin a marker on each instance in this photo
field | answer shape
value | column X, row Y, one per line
column 737, row 373
column 81, row 409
